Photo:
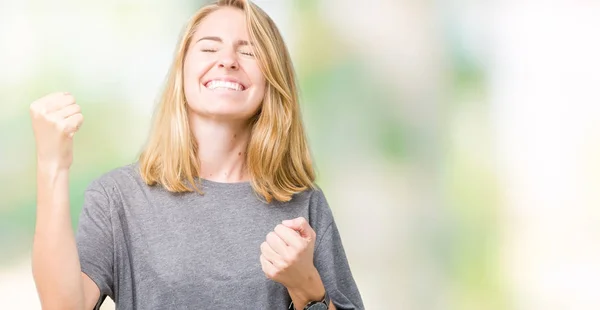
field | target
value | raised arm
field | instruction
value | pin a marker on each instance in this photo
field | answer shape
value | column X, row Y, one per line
column 55, row 262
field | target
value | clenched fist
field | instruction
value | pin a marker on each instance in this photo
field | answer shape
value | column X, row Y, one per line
column 287, row 254
column 55, row 119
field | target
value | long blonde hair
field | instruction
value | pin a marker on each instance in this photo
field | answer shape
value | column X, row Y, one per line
column 278, row 158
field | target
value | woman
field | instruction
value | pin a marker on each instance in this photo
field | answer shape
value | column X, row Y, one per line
column 220, row 211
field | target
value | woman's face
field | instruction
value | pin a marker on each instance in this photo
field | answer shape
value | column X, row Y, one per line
column 221, row 76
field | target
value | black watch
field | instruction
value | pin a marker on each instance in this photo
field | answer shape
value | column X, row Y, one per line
column 316, row 305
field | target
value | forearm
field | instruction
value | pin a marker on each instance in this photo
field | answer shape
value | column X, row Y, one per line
column 55, row 262
column 312, row 290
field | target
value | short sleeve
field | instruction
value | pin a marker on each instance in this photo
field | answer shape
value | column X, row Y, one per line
column 95, row 239
column 332, row 264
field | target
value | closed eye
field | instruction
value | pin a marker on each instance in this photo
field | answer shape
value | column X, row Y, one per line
column 209, row 50
column 248, row 54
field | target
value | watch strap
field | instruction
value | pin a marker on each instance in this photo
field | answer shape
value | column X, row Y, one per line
column 326, row 300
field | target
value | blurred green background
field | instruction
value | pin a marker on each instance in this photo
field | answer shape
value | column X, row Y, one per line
column 457, row 143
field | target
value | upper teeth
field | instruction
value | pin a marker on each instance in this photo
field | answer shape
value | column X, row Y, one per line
column 224, row 84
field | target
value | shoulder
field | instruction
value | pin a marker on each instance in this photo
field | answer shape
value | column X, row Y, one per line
column 119, row 179
column 320, row 214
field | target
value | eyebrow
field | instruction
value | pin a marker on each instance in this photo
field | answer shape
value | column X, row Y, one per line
column 217, row 39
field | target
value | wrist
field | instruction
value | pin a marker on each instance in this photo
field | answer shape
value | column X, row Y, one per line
column 312, row 289
column 50, row 168
column 51, row 175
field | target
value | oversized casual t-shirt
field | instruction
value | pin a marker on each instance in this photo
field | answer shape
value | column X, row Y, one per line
column 148, row 248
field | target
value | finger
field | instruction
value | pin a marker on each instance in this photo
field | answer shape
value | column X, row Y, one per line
column 66, row 112
column 267, row 267
column 56, row 101
column 278, row 245
column 289, row 236
column 72, row 124
column 300, row 225
column 43, row 105
column 270, row 254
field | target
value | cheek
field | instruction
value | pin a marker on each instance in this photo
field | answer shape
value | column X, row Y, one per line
column 193, row 69
column 258, row 94
column 259, row 81
column 258, row 77
column 189, row 76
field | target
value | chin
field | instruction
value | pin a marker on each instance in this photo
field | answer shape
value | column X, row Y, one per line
column 223, row 112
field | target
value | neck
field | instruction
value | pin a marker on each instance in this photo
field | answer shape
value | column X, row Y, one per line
column 221, row 149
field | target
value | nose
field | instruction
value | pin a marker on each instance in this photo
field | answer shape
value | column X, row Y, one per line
column 228, row 61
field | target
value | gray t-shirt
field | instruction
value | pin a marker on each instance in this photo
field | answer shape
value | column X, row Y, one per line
column 147, row 248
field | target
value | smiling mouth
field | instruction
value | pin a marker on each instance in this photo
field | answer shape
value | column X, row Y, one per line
column 228, row 85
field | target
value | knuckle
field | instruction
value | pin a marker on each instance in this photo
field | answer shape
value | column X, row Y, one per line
column 37, row 108
column 34, row 113
column 275, row 273
column 292, row 261
column 60, row 126
column 286, row 258
column 68, row 97
column 308, row 242
column 300, row 246
column 52, row 119
column 284, row 265
column 293, row 255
